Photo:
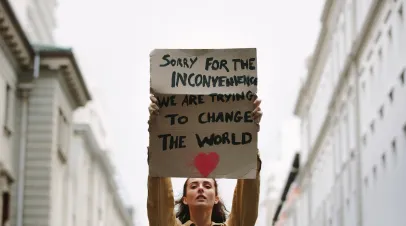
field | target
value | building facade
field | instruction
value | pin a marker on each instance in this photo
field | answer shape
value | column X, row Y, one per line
column 352, row 108
column 90, row 114
column 289, row 144
column 270, row 201
column 40, row 88
column 38, row 19
column 15, row 55
column 93, row 193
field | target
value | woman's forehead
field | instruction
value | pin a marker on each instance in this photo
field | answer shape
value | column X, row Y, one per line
column 200, row 180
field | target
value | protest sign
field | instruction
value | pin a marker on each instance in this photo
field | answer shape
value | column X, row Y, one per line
column 204, row 127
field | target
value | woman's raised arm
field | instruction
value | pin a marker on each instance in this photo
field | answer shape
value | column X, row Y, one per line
column 160, row 203
column 244, row 211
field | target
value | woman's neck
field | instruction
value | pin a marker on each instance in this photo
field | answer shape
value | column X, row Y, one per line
column 200, row 217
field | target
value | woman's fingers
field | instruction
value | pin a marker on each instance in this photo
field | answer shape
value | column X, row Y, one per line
column 257, row 102
column 257, row 113
column 153, row 107
column 153, row 98
column 257, row 107
column 256, row 110
column 257, row 117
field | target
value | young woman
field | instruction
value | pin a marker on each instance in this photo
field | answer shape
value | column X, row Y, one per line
column 200, row 204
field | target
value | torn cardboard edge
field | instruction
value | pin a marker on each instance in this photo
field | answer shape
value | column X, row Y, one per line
column 201, row 52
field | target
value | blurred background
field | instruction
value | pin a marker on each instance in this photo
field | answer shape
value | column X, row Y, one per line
column 74, row 92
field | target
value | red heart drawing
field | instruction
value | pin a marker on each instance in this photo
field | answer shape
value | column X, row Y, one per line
column 206, row 163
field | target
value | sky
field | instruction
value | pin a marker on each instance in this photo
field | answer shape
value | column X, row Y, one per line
column 112, row 43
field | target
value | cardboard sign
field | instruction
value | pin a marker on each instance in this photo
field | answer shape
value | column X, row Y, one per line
column 204, row 127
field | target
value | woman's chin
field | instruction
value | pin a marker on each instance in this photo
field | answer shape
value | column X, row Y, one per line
column 201, row 204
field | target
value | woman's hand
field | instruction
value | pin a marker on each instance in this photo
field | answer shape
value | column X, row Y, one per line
column 257, row 113
column 153, row 107
column 153, row 112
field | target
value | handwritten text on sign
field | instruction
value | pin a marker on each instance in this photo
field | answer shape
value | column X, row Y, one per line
column 205, row 127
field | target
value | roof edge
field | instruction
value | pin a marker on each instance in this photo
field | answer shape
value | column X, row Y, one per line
column 314, row 57
column 14, row 35
column 75, row 77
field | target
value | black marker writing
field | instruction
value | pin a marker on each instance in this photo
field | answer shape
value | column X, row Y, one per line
column 179, row 62
column 225, row 138
column 215, row 65
column 199, row 80
column 166, row 101
column 233, row 97
column 240, row 64
column 172, row 142
column 193, row 100
column 181, row 119
column 227, row 117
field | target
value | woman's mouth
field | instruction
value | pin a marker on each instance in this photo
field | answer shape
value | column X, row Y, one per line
column 201, row 197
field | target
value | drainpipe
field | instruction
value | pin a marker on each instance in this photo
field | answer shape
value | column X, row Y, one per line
column 358, row 154
column 24, row 92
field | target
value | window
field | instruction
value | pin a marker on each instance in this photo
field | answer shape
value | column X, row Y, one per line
column 381, row 112
column 393, row 144
column 364, row 140
column 366, row 181
column 390, row 34
column 8, row 112
column 383, row 158
column 62, row 134
column 374, row 171
column 402, row 77
column 387, row 16
column 404, row 129
column 400, row 12
column 390, row 95
column 372, row 125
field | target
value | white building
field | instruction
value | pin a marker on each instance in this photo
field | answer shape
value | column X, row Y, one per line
column 353, row 112
column 278, row 169
column 93, row 193
column 40, row 88
column 15, row 54
column 90, row 114
column 270, row 201
column 38, row 19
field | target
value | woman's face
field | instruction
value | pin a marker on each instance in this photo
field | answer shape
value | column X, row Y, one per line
column 200, row 192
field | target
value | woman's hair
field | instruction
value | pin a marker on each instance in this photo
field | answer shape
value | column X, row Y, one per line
column 218, row 214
